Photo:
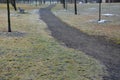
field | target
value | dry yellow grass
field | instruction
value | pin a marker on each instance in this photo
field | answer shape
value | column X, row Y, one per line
column 30, row 53
column 24, row 6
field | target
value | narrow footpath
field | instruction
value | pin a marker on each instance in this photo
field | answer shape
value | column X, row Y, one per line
column 105, row 51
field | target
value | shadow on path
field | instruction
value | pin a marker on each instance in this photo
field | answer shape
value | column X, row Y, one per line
column 104, row 51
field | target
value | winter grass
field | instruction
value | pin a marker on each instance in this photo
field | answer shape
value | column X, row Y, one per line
column 87, row 19
column 30, row 53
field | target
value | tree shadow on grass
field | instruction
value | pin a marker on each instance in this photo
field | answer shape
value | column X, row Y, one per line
column 12, row 34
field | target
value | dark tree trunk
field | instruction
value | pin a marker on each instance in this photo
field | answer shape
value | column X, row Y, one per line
column 8, row 11
column 75, row 6
column 86, row 1
column 13, row 2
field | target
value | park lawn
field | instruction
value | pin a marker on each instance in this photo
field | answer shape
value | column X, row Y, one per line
column 24, row 6
column 86, row 20
column 30, row 53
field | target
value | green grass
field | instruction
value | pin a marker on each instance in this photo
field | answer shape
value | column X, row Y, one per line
column 87, row 12
column 30, row 53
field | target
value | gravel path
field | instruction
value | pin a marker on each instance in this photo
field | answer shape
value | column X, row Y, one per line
column 97, row 47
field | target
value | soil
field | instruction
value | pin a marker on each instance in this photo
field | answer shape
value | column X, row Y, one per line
column 103, row 50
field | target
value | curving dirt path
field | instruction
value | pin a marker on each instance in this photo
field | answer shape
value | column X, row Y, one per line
column 97, row 47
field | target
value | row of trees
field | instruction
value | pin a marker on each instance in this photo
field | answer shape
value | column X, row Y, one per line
column 43, row 1
column 13, row 2
column 61, row 1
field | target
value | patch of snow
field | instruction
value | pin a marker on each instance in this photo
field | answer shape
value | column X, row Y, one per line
column 108, row 15
column 100, row 22
column 14, row 15
column 80, row 2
